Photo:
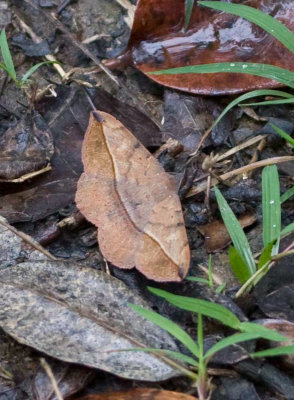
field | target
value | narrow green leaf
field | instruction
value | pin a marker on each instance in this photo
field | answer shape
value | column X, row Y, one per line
column 263, row 331
column 174, row 354
column 288, row 229
column 264, row 70
column 269, row 102
column 284, row 134
column 2, row 66
column 238, row 266
column 229, row 341
column 236, row 232
column 195, row 279
column 265, row 255
column 188, row 12
column 34, row 69
column 271, row 207
column 221, row 287
column 198, row 306
column 168, row 326
column 289, row 193
column 277, row 351
column 210, row 277
column 265, row 21
column 7, row 55
column 250, row 95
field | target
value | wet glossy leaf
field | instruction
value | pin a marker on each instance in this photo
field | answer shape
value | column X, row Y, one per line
column 158, row 42
column 80, row 315
column 271, row 207
column 140, row 394
column 127, row 194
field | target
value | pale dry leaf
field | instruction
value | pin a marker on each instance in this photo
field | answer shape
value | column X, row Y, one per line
column 127, row 194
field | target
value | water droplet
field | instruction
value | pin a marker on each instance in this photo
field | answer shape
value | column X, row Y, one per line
column 244, row 66
column 272, row 202
column 232, row 65
column 274, row 226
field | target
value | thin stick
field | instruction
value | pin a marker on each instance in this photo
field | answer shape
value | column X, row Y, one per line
column 27, row 239
column 29, row 175
column 51, row 376
column 243, row 170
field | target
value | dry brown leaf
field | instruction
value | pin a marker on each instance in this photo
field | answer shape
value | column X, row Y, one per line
column 216, row 235
column 127, row 194
column 140, row 394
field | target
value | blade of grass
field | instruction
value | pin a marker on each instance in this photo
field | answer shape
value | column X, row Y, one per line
column 263, row 331
column 168, row 326
column 236, row 232
column 288, row 229
column 203, row 307
column 269, row 102
column 175, row 354
column 265, row 255
column 229, row 341
column 250, row 95
column 284, row 134
column 238, row 265
column 265, row 21
column 188, row 12
column 277, row 351
column 7, row 55
column 271, row 207
column 264, row 70
column 221, row 287
column 195, row 279
column 289, row 193
column 34, row 68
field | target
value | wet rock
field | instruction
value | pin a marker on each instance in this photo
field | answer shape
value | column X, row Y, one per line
column 235, row 389
column 29, row 47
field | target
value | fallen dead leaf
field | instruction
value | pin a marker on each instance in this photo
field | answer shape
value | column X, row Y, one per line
column 81, row 315
column 127, row 194
column 158, row 41
column 216, row 235
column 140, row 394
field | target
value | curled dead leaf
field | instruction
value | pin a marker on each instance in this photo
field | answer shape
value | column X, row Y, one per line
column 127, row 194
column 140, row 394
column 216, row 234
column 158, row 41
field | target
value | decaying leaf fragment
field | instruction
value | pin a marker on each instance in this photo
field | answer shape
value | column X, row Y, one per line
column 127, row 194
column 140, row 394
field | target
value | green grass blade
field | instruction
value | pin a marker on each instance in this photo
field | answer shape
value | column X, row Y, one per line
column 265, row 255
column 195, row 279
column 264, row 21
column 6, row 55
column 263, row 331
column 284, row 135
column 168, row 326
column 198, row 306
column 221, row 287
column 277, row 351
column 236, row 232
column 250, row 95
column 289, row 193
column 288, row 229
column 270, row 102
column 188, row 12
column 238, row 265
column 268, row 71
column 271, row 207
column 34, row 69
column 170, row 353
column 229, row 341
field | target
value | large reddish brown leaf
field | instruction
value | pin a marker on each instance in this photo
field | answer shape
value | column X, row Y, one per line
column 127, row 194
column 140, row 394
column 158, row 41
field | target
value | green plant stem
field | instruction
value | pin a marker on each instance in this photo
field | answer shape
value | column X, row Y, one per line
column 258, row 274
column 202, row 372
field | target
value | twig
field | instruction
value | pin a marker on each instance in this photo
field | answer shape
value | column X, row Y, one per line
column 50, row 375
column 241, row 146
column 29, row 175
column 216, row 279
column 243, row 170
column 27, row 239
